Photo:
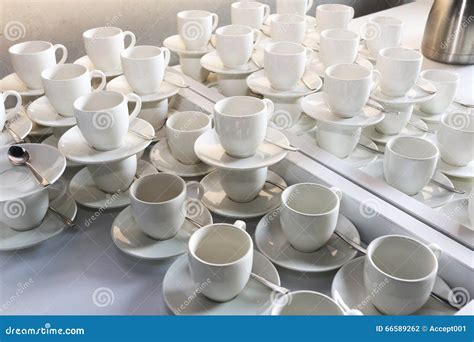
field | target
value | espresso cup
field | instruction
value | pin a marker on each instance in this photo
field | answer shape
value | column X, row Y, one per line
column 288, row 28
column 64, row 83
column 399, row 68
column 115, row 176
column 221, row 256
column 243, row 186
column 195, row 28
column 446, row 84
column 347, row 88
column 331, row 16
column 241, row 124
column 284, row 64
column 381, row 32
column 338, row 46
column 455, row 137
column 182, row 131
column 29, row 59
column 4, row 116
column 103, row 118
column 249, row 13
column 409, row 163
column 337, row 139
column 309, row 215
column 104, row 46
column 394, row 124
column 235, row 44
column 400, row 273
column 299, row 7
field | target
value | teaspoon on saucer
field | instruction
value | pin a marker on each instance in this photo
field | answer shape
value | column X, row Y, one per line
column 19, row 156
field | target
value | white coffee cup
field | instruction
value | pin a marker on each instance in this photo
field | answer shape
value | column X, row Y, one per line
column 299, row 7
column 104, row 46
column 446, row 84
column 29, row 59
column 243, row 186
column 309, row 215
column 399, row 273
column 393, row 124
column 182, row 131
column 399, row 68
column 330, row 16
column 235, row 44
column 64, row 83
column 284, row 64
column 287, row 111
column 220, row 259
column 381, row 32
column 241, row 124
column 4, row 116
column 288, row 28
column 337, row 139
column 455, row 138
column 338, row 46
column 103, row 118
column 409, row 163
column 249, row 13
column 116, row 176
column 154, row 112
column 144, row 67
column 195, row 28
column 347, row 88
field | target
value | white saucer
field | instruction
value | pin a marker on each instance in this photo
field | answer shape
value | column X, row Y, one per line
column 85, row 61
column 43, row 113
column 432, row 195
column 458, row 211
column 255, row 298
column 303, row 125
column 73, row 145
column 85, row 192
column 167, row 90
column 215, row 199
column 13, row 82
column 210, row 151
column 212, row 62
column 272, row 242
column 161, row 157
column 348, row 287
column 414, row 95
column 20, row 124
column 130, row 239
column 318, row 67
column 456, row 171
column 175, row 44
column 315, row 106
column 408, row 131
column 260, row 84
column 53, row 142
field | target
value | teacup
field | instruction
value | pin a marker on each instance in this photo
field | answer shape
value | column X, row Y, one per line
column 104, row 46
column 337, row 46
column 329, row 16
column 455, row 138
column 144, row 67
column 309, row 215
column 352, row 83
column 64, row 83
column 409, row 163
column 243, row 186
column 381, row 32
column 195, row 28
column 337, row 139
column 399, row 273
column 299, row 7
column 103, row 118
column 29, row 59
column 220, row 259
column 284, row 64
column 235, row 44
column 287, row 111
column 399, row 68
column 446, row 84
column 191, row 66
column 182, row 131
column 288, row 28
column 249, row 13
column 241, row 124
column 4, row 116
column 116, row 176
column 393, row 124
column 154, row 112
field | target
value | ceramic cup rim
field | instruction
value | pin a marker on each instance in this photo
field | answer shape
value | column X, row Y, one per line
column 12, row 49
column 286, row 193
column 193, row 14
column 153, row 177
column 417, row 57
column 89, row 34
column 354, row 35
column 46, row 73
column 158, row 52
column 254, row 4
column 221, row 31
column 333, row 8
column 218, row 106
column 388, row 21
column 292, row 19
column 276, row 310
column 171, row 121
column 80, row 101
column 392, row 141
column 453, row 75
column 330, row 69
column 271, row 46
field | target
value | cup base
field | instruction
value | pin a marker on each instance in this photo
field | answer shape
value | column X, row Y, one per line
column 24, row 229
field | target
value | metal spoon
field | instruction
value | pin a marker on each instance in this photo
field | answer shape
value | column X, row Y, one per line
column 467, row 105
column 284, row 147
column 66, row 219
column 19, row 156
column 179, row 85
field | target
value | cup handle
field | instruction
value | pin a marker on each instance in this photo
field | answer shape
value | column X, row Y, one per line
column 352, row 14
column 266, row 12
column 376, row 77
column 240, row 224
column 17, row 107
column 194, row 185
column 63, row 48
column 103, row 80
column 133, row 39
column 436, row 250
column 257, row 36
column 270, row 108
column 166, row 56
column 310, row 4
column 134, row 98
column 337, row 191
column 215, row 21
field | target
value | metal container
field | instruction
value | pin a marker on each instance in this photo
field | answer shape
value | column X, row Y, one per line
column 449, row 32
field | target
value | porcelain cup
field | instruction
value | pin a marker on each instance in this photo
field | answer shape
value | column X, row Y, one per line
column 337, row 139
column 446, row 84
column 4, row 114
column 183, row 129
column 288, row 28
column 154, row 112
column 195, row 28
column 409, row 163
column 116, row 176
column 249, row 13
column 309, row 215
column 393, row 124
column 64, row 83
column 104, row 46
column 220, row 259
column 243, row 186
column 232, row 85
column 299, row 7
column 337, row 46
column 455, row 137
column 241, row 124
column 191, row 66
column 287, row 112
column 29, row 59
column 103, row 118
column 399, row 273
column 329, row 16
column 284, row 64
column 381, row 32
column 235, row 44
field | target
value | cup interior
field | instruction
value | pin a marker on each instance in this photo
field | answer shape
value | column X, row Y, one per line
column 188, row 121
column 285, row 48
column 247, row 5
column 193, row 14
column 310, row 199
column 234, row 30
column 142, row 52
column 333, row 8
column 102, row 32
column 348, row 72
column 459, row 121
column 32, row 47
column 240, row 106
column 401, row 54
column 157, row 188
column 413, row 148
column 339, row 34
column 289, row 19
column 440, row 76
column 99, row 101
column 64, row 72
column 308, row 303
column 386, row 21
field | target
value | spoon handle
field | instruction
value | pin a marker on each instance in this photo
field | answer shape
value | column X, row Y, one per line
column 66, row 219
column 43, row 181
column 15, row 136
column 447, row 187
column 179, row 85
column 368, row 148
column 141, row 135
column 269, row 284
column 467, row 105
column 284, row 147
column 282, row 187
column 351, row 243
